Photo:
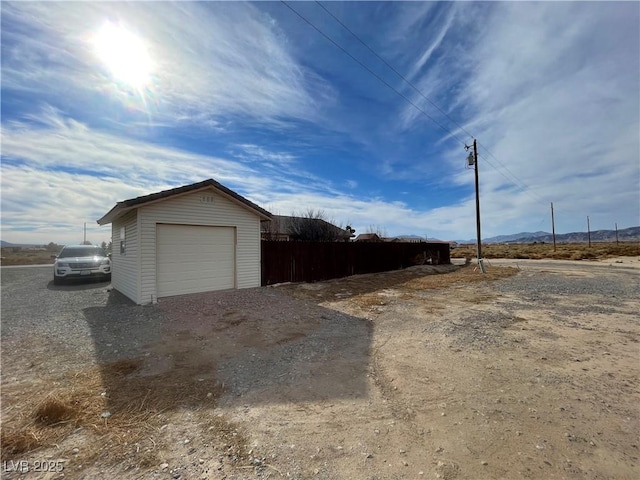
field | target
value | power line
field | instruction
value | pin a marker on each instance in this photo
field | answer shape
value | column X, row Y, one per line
column 514, row 179
column 372, row 72
column 394, row 70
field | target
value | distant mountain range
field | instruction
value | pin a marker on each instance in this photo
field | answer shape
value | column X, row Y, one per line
column 624, row 235
column 7, row 244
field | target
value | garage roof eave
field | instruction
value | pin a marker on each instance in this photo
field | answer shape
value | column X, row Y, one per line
column 112, row 214
column 122, row 207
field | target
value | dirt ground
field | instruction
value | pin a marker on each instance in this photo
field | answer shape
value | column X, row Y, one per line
column 466, row 382
column 529, row 371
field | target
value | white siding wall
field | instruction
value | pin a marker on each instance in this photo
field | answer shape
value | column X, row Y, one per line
column 125, row 274
column 200, row 208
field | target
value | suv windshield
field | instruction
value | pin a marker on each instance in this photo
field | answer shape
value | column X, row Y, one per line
column 82, row 252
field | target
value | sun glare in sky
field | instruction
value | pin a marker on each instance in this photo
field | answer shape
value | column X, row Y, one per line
column 125, row 54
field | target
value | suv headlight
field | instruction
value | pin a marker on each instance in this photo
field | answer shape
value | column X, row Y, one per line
column 62, row 265
column 106, row 261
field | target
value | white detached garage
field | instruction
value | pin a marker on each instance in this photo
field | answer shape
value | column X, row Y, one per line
column 197, row 238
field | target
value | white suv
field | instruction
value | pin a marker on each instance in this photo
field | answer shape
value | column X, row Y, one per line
column 81, row 261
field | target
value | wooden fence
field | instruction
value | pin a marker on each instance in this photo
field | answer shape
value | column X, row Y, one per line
column 316, row 261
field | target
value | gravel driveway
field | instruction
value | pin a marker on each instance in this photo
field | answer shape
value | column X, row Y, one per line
column 244, row 335
column 64, row 319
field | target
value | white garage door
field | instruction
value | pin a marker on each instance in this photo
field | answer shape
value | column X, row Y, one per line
column 191, row 259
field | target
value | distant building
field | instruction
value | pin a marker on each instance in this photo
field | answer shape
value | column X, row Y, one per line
column 368, row 237
column 287, row 228
column 407, row 239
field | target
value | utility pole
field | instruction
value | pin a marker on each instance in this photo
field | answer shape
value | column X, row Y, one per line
column 84, row 242
column 553, row 228
column 588, row 231
column 617, row 234
column 478, row 234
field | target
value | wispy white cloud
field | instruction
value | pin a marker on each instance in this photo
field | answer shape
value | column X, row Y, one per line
column 51, row 142
column 395, row 217
column 436, row 41
column 58, row 173
column 408, row 21
column 286, row 171
column 40, row 206
column 253, row 152
column 49, row 188
column 209, row 59
column 59, row 143
column 552, row 90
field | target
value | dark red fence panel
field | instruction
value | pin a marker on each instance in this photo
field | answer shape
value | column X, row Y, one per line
column 316, row 261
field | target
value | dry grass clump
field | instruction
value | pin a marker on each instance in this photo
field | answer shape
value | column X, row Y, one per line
column 463, row 275
column 120, row 408
column 564, row 251
column 370, row 300
column 466, row 274
column 18, row 441
column 54, row 411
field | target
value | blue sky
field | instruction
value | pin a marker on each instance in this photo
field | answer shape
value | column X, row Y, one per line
column 253, row 96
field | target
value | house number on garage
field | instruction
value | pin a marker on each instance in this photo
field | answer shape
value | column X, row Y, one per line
column 206, row 198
